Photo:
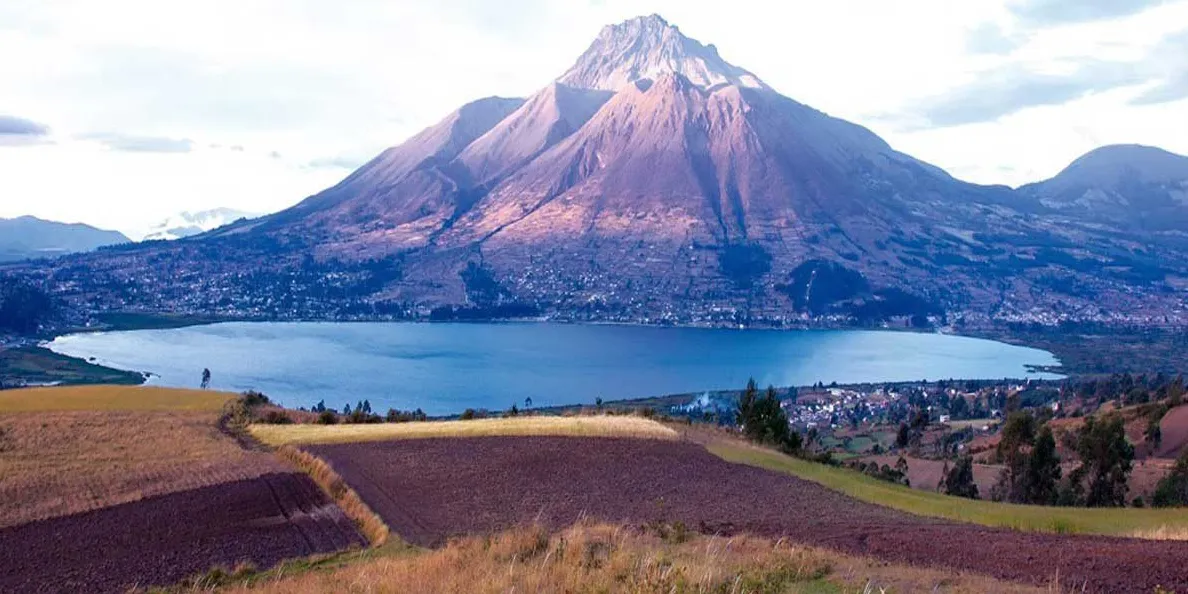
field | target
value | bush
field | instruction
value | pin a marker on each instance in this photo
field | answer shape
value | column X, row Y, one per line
column 254, row 398
column 327, row 417
column 276, row 417
column 1172, row 490
column 399, row 416
column 360, row 416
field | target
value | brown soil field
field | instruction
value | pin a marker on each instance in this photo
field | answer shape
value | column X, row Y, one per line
column 163, row 540
column 1174, row 429
column 927, row 474
column 433, row 489
column 59, row 463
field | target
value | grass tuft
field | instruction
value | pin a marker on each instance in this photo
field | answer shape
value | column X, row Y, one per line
column 607, row 558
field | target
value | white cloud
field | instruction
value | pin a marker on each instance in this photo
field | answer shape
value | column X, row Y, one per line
column 324, row 87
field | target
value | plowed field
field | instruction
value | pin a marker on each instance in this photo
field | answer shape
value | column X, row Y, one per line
column 162, row 540
column 429, row 490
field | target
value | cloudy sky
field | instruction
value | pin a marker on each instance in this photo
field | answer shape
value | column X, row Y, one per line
column 122, row 112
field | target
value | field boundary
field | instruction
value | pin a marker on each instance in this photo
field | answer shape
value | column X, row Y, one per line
column 1147, row 523
column 524, row 426
column 324, row 475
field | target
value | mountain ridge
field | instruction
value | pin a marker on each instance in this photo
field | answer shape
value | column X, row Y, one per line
column 31, row 237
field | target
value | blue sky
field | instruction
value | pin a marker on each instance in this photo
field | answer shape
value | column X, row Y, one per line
column 120, row 113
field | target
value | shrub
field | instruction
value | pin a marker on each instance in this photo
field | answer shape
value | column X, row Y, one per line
column 468, row 415
column 360, row 416
column 254, row 398
column 1172, row 490
column 327, row 417
column 400, row 416
column 276, row 417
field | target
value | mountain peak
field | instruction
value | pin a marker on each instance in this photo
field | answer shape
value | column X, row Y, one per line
column 646, row 48
column 1106, row 165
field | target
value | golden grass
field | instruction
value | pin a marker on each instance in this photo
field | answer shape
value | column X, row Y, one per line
column 111, row 398
column 58, row 463
column 1162, row 533
column 604, row 558
column 578, row 426
column 1033, row 518
column 369, row 523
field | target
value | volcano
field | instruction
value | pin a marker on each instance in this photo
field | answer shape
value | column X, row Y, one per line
column 654, row 180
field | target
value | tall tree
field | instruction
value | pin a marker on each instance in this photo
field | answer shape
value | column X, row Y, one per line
column 746, row 404
column 959, row 481
column 1018, row 433
column 1043, row 470
column 764, row 420
column 1106, row 459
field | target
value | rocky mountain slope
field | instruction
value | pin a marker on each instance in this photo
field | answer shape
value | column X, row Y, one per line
column 30, row 237
column 654, row 181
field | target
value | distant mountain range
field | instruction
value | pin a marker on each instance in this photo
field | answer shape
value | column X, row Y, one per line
column 654, row 181
column 29, row 237
column 188, row 224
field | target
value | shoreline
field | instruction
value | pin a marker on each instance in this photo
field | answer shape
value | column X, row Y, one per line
column 855, row 376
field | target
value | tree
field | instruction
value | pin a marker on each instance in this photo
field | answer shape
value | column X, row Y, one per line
column 763, row 419
column 1172, row 490
column 205, row 379
column 901, row 466
column 1153, row 433
column 1175, row 392
column 1106, row 459
column 959, row 481
column 746, row 403
column 903, row 436
column 367, row 406
column 1018, row 433
column 1043, row 470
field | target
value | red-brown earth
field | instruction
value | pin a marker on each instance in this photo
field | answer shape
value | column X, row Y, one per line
column 163, row 540
column 432, row 489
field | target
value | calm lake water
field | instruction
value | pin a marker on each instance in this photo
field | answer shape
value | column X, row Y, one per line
column 446, row 368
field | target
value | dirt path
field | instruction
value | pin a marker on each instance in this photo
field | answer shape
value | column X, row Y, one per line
column 429, row 490
column 163, row 540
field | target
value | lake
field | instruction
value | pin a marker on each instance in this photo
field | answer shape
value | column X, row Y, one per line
column 446, row 368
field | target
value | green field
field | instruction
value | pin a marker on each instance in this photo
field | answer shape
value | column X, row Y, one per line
column 42, row 366
column 1161, row 523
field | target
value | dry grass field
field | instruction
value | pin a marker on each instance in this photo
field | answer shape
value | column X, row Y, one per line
column 68, row 450
column 111, row 398
column 578, row 426
column 606, row 558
